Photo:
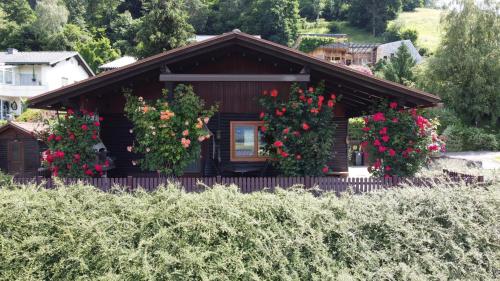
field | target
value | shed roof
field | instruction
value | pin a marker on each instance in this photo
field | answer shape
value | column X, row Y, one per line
column 119, row 62
column 25, row 127
column 358, row 88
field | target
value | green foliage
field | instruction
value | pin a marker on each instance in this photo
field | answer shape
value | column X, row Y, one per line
column 396, row 32
column 70, row 144
column 17, row 11
column 411, row 5
column 51, row 16
column 6, row 180
column 76, row 232
column 465, row 70
column 31, row 115
column 298, row 130
column 275, row 20
column 312, row 9
column 373, row 15
column 355, row 128
column 164, row 26
column 399, row 68
column 168, row 134
column 97, row 52
column 399, row 141
column 310, row 43
column 461, row 138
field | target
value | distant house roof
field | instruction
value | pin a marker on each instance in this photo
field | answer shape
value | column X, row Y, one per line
column 199, row 38
column 125, row 60
column 392, row 47
column 352, row 47
column 29, row 128
column 14, row 57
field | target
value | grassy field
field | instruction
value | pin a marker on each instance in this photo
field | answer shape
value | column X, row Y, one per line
column 425, row 21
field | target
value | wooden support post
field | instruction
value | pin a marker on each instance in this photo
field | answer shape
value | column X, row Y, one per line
column 130, row 182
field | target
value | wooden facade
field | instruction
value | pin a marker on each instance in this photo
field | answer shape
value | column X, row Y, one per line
column 19, row 149
column 213, row 67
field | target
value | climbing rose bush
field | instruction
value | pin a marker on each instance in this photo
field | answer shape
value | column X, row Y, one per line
column 398, row 141
column 299, row 130
column 168, row 134
column 70, row 144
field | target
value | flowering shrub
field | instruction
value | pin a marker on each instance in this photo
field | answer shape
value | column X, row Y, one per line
column 168, row 135
column 299, row 129
column 70, row 143
column 399, row 141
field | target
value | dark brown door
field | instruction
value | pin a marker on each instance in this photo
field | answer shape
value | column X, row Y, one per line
column 15, row 158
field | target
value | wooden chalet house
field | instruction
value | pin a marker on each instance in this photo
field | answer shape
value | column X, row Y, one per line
column 232, row 69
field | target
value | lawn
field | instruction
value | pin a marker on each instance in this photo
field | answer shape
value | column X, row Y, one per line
column 425, row 21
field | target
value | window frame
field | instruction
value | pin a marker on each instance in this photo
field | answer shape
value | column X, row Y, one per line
column 232, row 144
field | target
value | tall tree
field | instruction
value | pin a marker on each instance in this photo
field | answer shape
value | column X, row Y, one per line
column 399, row 68
column 373, row 15
column 51, row 18
column 164, row 26
column 226, row 15
column 311, row 9
column 275, row 20
column 465, row 70
column 18, row 11
column 97, row 52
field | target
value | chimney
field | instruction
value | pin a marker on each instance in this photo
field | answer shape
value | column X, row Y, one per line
column 12, row 51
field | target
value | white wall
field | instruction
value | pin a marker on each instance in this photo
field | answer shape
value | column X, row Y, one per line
column 52, row 75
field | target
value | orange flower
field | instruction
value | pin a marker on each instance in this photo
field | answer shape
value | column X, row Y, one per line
column 185, row 142
column 145, row 109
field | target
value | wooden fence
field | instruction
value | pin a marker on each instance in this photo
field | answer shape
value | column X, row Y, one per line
column 252, row 184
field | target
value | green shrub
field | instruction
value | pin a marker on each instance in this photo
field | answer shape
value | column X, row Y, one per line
column 30, row 115
column 309, row 44
column 460, row 138
column 77, row 233
column 5, row 180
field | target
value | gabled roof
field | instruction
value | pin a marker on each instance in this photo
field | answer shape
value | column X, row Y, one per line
column 29, row 128
column 376, row 85
column 43, row 57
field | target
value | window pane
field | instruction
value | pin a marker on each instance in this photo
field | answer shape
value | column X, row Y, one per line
column 15, row 152
column 244, row 140
column 8, row 76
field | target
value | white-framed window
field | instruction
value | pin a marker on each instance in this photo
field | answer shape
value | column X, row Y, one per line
column 6, row 75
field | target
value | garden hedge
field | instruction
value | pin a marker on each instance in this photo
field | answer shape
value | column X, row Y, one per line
column 78, row 233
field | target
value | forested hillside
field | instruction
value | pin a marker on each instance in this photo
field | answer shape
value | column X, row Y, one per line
column 105, row 29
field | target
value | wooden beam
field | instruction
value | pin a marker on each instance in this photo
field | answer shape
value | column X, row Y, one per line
column 236, row 77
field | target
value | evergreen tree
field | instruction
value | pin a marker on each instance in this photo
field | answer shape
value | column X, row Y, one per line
column 465, row 70
column 275, row 20
column 164, row 26
column 399, row 68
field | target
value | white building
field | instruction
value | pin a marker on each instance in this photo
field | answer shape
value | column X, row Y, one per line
column 27, row 74
column 386, row 51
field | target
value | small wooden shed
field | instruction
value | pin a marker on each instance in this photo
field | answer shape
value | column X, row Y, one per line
column 20, row 149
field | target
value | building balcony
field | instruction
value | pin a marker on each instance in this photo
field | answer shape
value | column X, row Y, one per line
column 22, row 90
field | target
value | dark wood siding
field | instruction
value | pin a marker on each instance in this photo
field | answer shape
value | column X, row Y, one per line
column 3, row 155
column 339, row 162
column 31, row 150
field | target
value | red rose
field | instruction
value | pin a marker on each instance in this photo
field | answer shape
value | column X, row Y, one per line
column 330, row 103
column 284, row 154
column 385, row 138
column 263, row 129
column 364, row 144
column 309, row 101
column 367, row 120
column 325, row 169
column 393, row 105
column 379, row 116
column 85, row 127
column 262, row 114
column 101, row 119
column 89, row 172
column 94, row 137
column 298, row 157
column 98, row 167
column 395, row 120
column 286, row 130
column 91, row 114
column 106, row 163
column 72, row 136
column 51, row 137
column 366, row 129
column 305, row 126
column 377, row 164
column 274, row 93
column 97, row 124
column 296, row 133
column 59, row 154
column 311, row 89
column 382, row 148
column 70, row 111
column 58, row 138
column 278, row 143
column 333, row 96
column 76, row 156
column 387, row 168
column 391, row 152
column 383, row 131
column 283, row 109
column 376, row 143
column 279, row 113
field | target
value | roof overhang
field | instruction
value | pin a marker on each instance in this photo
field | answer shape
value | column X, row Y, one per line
column 356, row 83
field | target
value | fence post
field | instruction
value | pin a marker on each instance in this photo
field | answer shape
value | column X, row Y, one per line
column 38, row 180
column 480, row 179
column 307, row 182
column 395, row 180
column 218, row 179
column 130, row 182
